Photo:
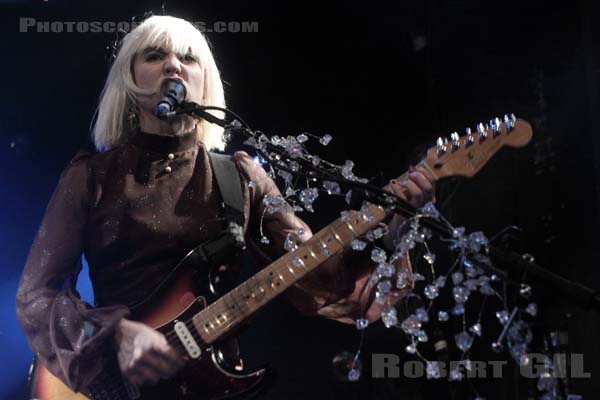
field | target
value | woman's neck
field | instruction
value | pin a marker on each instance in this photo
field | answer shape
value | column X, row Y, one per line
column 175, row 126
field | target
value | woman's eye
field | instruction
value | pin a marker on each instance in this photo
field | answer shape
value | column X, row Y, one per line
column 188, row 58
column 153, row 57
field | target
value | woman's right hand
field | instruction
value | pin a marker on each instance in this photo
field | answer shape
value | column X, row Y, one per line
column 144, row 354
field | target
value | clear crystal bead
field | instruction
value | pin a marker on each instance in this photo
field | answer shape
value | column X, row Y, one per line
column 532, row 309
column 458, row 309
column 316, row 160
column 460, row 294
column 307, row 197
column 476, row 329
column 411, row 325
column 251, row 184
column 433, row 370
column 290, row 242
column 402, row 279
column 374, row 278
column 296, row 261
column 377, row 233
column 430, row 211
column 384, row 286
column 411, row 348
column 301, row 138
column 358, row 245
column 380, row 297
column 463, row 341
column 353, row 375
column 422, row 336
column 378, row 255
column 468, row 364
column 429, row 257
column 524, row 360
column 457, row 278
column 503, row 316
column 422, row 315
column 389, row 317
column 265, row 240
column 293, row 148
column 455, row 375
column 476, row 241
column 518, row 338
column 458, row 232
column 276, row 140
column 440, row 282
column 525, row 291
column 347, row 170
column 443, row 316
column 324, row 140
column 362, row 323
column 546, row 382
column 331, row 187
column 497, row 347
column 418, row 277
column 431, row 292
column 385, row 269
column 346, row 366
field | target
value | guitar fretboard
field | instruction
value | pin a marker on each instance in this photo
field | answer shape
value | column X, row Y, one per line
column 236, row 306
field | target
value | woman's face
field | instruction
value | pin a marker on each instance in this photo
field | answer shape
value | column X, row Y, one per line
column 152, row 66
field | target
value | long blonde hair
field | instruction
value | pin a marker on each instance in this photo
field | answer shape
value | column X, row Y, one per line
column 111, row 127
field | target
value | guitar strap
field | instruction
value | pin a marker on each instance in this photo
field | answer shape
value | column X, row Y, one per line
column 228, row 181
column 229, row 184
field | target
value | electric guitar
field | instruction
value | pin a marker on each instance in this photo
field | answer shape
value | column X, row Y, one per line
column 197, row 320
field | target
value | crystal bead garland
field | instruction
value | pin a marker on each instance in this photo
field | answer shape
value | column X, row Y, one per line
column 284, row 156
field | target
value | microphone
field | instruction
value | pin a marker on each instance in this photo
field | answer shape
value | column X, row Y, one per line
column 172, row 94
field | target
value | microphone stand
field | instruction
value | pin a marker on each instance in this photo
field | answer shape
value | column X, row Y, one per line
column 512, row 266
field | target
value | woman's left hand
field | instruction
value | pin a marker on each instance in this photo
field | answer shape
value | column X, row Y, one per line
column 417, row 189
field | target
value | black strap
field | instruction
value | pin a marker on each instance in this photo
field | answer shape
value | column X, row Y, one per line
column 229, row 183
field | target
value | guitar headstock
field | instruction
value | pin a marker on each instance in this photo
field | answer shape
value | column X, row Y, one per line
column 466, row 155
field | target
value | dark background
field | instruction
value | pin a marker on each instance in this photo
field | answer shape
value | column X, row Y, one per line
column 350, row 69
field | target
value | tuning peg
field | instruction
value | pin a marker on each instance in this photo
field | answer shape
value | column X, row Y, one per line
column 441, row 146
column 495, row 125
column 482, row 132
column 469, row 137
column 455, row 139
column 509, row 121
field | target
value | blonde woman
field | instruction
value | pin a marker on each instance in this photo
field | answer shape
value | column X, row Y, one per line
column 138, row 205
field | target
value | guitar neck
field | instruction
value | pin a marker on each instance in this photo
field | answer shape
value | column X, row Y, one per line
column 239, row 304
column 461, row 156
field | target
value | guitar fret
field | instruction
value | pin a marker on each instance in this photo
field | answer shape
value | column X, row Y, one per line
column 351, row 228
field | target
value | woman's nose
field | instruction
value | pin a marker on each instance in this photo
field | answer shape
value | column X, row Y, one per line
column 172, row 65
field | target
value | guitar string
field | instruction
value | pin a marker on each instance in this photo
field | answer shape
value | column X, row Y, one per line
column 221, row 329
column 236, row 313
